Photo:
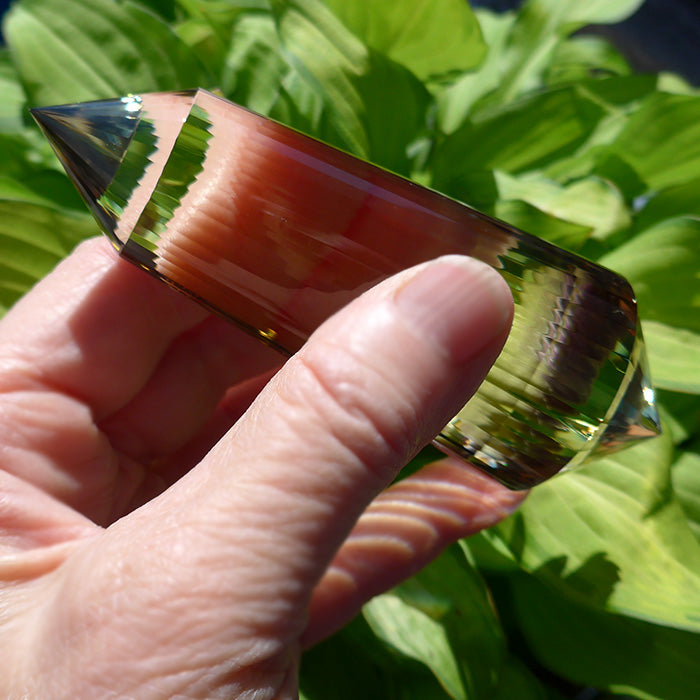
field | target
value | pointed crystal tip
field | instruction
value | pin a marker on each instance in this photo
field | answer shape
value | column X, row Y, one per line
column 91, row 139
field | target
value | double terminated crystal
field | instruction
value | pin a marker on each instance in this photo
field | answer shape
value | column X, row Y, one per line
column 277, row 231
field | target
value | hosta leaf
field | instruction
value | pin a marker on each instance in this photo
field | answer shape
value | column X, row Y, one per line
column 686, row 482
column 351, row 81
column 674, row 356
column 662, row 140
column 612, row 536
column 33, row 239
column 541, row 26
column 444, row 619
column 254, row 69
column 591, row 647
column 13, row 100
column 522, row 136
column 72, row 50
column 679, row 200
column 591, row 203
column 456, row 100
column 582, row 57
column 663, row 265
column 432, row 38
column 355, row 663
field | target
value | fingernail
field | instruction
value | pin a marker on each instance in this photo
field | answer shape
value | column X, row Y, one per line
column 458, row 302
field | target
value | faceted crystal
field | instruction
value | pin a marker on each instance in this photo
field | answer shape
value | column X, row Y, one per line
column 276, row 231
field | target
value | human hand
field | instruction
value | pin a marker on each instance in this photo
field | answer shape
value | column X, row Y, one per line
column 163, row 537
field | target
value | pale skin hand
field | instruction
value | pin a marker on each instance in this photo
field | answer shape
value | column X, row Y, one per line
column 148, row 549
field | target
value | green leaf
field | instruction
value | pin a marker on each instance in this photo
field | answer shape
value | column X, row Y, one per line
column 663, row 266
column 591, row 647
column 541, row 26
column 13, row 101
column 686, row 482
column 33, row 238
column 443, row 618
column 351, row 81
column 456, row 100
column 355, row 663
column 583, row 57
column 254, row 69
column 72, row 50
column 595, row 205
column 613, row 537
column 661, row 142
column 435, row 39
column 674, row 356
column 523, row 136
column 679, row 200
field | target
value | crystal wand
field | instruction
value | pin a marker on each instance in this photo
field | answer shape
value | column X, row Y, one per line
column 276, row 231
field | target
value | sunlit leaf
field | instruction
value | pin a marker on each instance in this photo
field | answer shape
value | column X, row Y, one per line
column 432, row 38
column 662, row 265
column 674, row 356
column 33, row 238
column 662, row 140
column 613, row 537
column 72, row 50
column 591, row 203
column 351, row 81
column 522, row 136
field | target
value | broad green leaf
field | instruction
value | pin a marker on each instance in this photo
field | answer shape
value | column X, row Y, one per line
column 583, row 57
column 351, row 82
column 662, row 140
column 686, row 482
column 663, row 266
column 611, row 536
column 443, row 618
column 520, row 137
column 529, row 218
column 73, row 50
column 13, row 101
column 435, row 39
column 540, row 27
column 591, row 203
column 456, row 100
column 674, row 356
column 679, row 200
column 254, row 69
column 591, row 647
column 208, row 25
column 33, row 239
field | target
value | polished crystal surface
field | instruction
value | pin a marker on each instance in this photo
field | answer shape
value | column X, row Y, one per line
column 276, row 231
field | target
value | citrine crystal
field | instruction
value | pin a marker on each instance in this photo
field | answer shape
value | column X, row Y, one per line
column 276, row 231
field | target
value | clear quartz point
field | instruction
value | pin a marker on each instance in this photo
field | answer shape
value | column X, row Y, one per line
column 276, row 231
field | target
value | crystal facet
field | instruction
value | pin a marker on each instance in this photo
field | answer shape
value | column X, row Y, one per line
column 276, row 231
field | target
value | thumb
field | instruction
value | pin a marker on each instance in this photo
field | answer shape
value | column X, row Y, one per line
column 224, row 563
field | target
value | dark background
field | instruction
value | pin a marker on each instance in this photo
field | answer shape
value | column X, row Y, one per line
column 662, row 35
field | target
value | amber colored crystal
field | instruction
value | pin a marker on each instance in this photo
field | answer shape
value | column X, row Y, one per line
column 276, row 231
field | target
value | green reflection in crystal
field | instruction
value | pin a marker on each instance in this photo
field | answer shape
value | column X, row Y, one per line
column 181, row 170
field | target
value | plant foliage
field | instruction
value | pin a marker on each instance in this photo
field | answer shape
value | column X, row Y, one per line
column 596, row 580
